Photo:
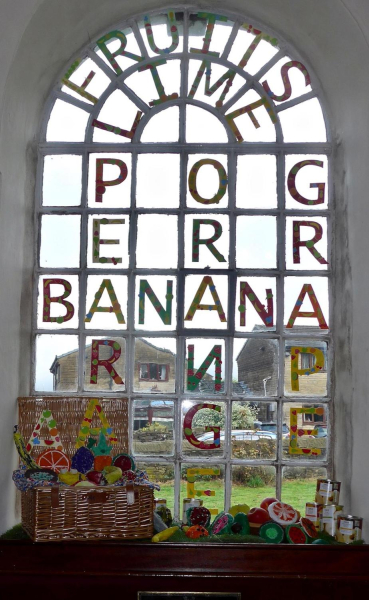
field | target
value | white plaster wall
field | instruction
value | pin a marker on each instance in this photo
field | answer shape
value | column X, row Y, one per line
column 38, row 37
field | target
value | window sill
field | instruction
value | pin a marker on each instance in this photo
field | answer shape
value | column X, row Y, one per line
column 135, row 566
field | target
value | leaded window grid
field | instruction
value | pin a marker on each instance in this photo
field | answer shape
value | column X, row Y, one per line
column 232, row 149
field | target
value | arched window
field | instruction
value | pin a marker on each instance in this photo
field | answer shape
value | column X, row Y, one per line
column 183, row 256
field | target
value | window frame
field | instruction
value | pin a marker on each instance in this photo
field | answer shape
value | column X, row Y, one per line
column 232, row 150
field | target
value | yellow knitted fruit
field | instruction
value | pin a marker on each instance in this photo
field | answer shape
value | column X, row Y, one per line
column 165, row 534
column 71, row 478
column 239, row 508
column 112, row 474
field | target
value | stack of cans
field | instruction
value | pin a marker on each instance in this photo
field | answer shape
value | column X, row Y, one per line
column 327, row 514
column 326, row 508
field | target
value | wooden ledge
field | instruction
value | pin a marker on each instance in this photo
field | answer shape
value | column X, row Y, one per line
column 263, row 570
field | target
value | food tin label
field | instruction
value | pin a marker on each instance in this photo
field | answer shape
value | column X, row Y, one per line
column 332, row 511
column 346, row 525
column 311, row 511
column 327, row 491
column 329, row 526
column 349, row 529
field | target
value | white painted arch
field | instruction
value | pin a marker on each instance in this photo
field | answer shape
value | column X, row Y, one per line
column 333, row 36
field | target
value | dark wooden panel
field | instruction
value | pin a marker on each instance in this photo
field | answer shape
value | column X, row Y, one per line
column 264, row 571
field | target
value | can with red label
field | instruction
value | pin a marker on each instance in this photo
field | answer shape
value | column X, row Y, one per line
column 327, row 491
column 349, row 528
column 313, row 512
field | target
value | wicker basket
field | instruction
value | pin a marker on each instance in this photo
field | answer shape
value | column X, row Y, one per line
column 66, row 513
column 61, row 513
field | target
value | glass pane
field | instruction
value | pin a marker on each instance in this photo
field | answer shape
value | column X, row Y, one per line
column 95, row 87
column 208, row 186
column 106, row 302
column 306, row 366
column 62, row 181
column 160, row 31
column 263, row 52
column 307, row 295
column 256, row 304
column 206, row 302
column 199, row 228
column 142, row 83
column 303, row 122
column 256, row 181
column 56, row 363
column 306, row 184
column 277, row 85
column 110, row 187
column 250, row 485
column 105, row 360
column 197, row 418
column 299, row 485
column 256, row 242
column 163, row 474
column 302, row 251
column 153, row 432
column 54, row 311
column 259, row 127
column 118, row 111
column 219, row 35
column 204, row 357
column 114, row 44
column 308, row 426
column 248, row 441
column 156, row 308
column 155, row 365
column 157, row 241
column 203, row 127
column 206, row 486
column 60, row 240
column 108, row 239
column 255, row 367
column 197, row 88
column 163, row 126
column 67, row 123
column 157, row 181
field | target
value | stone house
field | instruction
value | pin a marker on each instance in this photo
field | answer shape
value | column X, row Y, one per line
column 154, row 369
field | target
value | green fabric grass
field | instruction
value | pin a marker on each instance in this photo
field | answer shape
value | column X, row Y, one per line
column 180, row 537
column 15, row 533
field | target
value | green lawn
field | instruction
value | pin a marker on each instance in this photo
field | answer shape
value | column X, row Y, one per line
column 295, row 492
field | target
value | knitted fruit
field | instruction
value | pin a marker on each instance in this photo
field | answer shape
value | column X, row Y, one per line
column 241, row 524
column 198, row 515
column 196, row 531
column 83, row 460
column 100, row 462
column 221, row 524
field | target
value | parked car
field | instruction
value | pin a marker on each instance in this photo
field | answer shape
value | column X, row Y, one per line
column 240, row 435
column 270, row 426
column 321, row 431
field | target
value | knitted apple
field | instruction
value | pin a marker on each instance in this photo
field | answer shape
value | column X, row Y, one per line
column 257, row 517
column 265, row 503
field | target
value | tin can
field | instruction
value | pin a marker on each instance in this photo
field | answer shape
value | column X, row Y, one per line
column 159, row 502
column 328, row 520
column 327, row 491
column 313, row 512
column 189, row 503
column 349, row 528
